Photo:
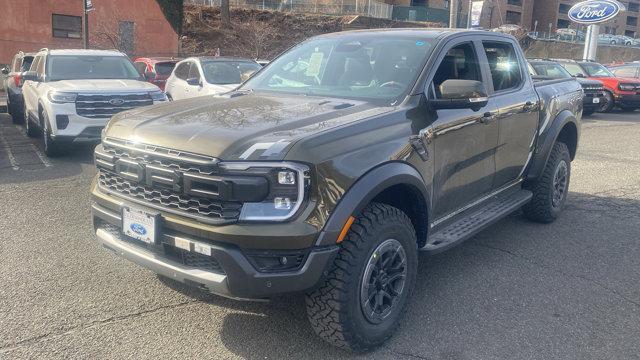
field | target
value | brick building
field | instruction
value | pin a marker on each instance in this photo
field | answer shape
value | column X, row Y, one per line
column 134, row 26
column 500, row 12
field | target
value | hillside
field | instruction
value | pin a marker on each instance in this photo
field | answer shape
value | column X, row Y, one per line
column 265, row 34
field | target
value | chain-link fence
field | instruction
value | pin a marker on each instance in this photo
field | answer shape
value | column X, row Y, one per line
column 370, row 8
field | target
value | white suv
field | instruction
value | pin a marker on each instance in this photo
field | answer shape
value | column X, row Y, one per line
column 199, row 76
column 69, row 95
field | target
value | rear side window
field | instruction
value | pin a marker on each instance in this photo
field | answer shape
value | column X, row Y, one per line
column 194, row 73
column 460, row 63
column 625, row 71
column 182, row 71
column 164, row 68
column 26, row 63
column 504, row 65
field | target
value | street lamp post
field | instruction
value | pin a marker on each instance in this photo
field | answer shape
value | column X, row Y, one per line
column 85, row 25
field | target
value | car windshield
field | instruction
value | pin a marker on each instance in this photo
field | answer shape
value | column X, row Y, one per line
column 554, row 71
column 228, row 72
column 357, row 67
column 574, row 69
column 597, row 70
column 75, row 67
column 164, row 68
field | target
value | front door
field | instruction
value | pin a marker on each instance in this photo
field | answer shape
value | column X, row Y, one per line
column 464, row 139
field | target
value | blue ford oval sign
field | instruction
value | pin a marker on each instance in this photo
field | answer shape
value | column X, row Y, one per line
column 594, row 11
column 138, row 229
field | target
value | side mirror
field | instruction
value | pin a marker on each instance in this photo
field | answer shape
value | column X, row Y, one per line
column 150, row 75
column 461, row 94
column 579, row 75
column 31, row 76
column 5, row 71
column 193, row 81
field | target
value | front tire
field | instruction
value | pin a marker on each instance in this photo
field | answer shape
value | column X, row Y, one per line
column 360, row 302
column 608, row 102
column 28, row 126
column 52, row 148
column 551, row 189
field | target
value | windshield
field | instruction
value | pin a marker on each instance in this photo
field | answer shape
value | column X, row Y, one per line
column 75, row 67
column 358, row 67
column 597, row 70
column 554, row 71
column 228, row 72
column 164, row 68
column 574, row 69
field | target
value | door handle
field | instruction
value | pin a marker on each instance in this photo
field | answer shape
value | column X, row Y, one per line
column 487, row 117
column 528, row 106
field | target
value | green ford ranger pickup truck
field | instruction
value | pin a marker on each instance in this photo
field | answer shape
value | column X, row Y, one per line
column 328, row 171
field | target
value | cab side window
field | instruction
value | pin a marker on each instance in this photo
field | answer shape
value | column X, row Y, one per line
column 460, row 63
column 504, row 65
column 194, row 73
column 182, row 71
column 141, row 67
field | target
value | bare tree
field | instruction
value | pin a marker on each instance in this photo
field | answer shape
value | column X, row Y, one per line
column 225, row 18
column 108, row 32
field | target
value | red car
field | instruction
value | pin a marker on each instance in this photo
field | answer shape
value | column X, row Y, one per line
column 623, row 92
column 156, row 69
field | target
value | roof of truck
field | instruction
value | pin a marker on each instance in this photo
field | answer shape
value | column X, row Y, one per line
column 89, row 52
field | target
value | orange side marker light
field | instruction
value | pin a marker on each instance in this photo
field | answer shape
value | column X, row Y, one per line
column 345, row 229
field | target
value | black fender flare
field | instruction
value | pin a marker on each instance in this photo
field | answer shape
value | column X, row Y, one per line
column 365, row 189
column 545, row 143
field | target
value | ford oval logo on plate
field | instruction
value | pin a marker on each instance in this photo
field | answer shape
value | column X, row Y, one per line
column 594, row 11
column 116, row 102
column 138, row 229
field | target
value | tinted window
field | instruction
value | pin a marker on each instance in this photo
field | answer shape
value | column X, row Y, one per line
column 574, row 69
column 65, row 26
column 504, row 65
column 164, row 68
column 70, row 67
column 194, row 73
column 141, row 67
column 553, row 71
column 226, row 72
column 460, row 63
column 182, row 71
column 625, row 71
column 358, row 66
column 26, row 63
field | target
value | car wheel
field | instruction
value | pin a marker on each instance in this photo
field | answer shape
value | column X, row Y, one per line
column 52, row 148
column 28, row 126
column 608, row 102
column 361, row 300
column 551, row 189
column 169, row 98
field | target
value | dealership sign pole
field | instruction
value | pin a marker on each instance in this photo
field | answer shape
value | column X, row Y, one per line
column 592, row 13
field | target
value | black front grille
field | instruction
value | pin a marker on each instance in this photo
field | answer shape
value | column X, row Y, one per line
column 105, row 106
column 168, row 199
column 192, row 259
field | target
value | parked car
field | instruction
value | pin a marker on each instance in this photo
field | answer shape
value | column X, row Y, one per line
column 199, row 76
column 155, row 69
column 609, row 39
column 619, row 91
column 13, row 84
column 69, row 95
column 626, row 70
column 543, row 69
column 330, row 180
column 570, row 35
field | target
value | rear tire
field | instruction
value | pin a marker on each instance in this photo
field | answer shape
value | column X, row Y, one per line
column 551, row 189
column 360, row 303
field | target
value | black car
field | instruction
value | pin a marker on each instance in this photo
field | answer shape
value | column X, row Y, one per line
column 593, row 89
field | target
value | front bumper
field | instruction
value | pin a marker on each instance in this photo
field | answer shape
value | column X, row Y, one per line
column 238, row 276
column 589, row 101
column 629, row 100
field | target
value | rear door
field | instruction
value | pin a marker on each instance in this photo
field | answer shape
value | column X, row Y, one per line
column 464, row 139
column 517, row 101
column 178, row 81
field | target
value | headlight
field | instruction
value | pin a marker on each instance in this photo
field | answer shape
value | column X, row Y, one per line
column 60, row 97
column 158, row 95
column 288, row 188
column 627, row 87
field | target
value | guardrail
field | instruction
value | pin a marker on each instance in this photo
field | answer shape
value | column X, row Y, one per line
column 369, row 8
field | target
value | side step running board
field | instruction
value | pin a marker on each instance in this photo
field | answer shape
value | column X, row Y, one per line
column 475, row 222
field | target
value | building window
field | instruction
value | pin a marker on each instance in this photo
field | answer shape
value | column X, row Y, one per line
column 564, row 8
column 418, row 2
column 635, row 7
column 66, row 26
column 563, row 24
column 513, row 17
column 632, row 21
column 630, row 33
column 515, row 2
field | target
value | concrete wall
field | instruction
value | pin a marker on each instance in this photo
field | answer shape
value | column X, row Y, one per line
column 605, row 55
column 26, row 25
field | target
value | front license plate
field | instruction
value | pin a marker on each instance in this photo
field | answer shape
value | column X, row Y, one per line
column 596, row 100
column 139, row 225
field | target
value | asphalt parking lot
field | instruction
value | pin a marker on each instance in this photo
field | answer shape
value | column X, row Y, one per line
column 570, row 290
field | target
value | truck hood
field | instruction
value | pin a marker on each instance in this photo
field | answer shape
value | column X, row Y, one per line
column 102, row 86
column 237, row 126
